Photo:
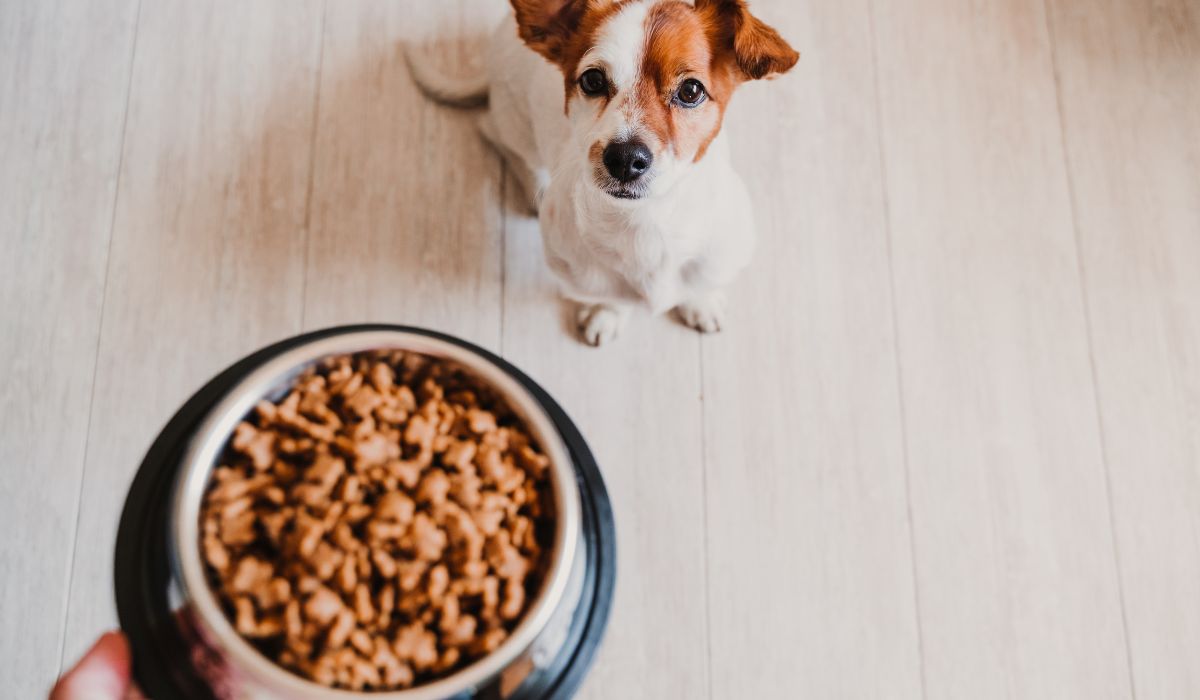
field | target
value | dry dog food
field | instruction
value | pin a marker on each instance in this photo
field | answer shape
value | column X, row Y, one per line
column 383, row 525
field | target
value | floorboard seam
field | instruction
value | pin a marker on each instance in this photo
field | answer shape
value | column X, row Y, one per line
column 312, row 167
column 87, row 431
column 503, row 253
column 704, row 504
column 887, row 230
column 1087, row 322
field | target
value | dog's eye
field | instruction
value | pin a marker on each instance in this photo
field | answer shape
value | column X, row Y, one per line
column 593, row 82
column 690, row 93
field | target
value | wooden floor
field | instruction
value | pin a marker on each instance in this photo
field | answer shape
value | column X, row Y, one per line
column 948, row 447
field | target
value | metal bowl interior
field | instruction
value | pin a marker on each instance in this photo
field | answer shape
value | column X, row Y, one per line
column 270, row 381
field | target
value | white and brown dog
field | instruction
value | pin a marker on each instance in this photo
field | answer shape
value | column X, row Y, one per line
column 637, row 200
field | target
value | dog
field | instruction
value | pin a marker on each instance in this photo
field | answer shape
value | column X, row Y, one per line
column 609, row 114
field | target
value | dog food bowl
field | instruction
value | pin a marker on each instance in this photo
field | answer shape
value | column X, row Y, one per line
column 185, row 647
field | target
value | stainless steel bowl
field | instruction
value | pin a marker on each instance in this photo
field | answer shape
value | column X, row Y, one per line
column 234, row 668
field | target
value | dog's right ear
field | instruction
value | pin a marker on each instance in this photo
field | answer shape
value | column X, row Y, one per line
column 547, row 25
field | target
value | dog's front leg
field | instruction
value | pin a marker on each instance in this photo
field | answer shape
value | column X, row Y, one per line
column 601, row 323
column 603, row 301
column 704, row 311
column 703, row 305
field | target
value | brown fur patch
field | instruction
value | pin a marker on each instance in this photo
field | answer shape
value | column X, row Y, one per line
column 593, row 19
column 717, row 42
column 678, row 48
column 546, row 26
column 757, row 51
column 562, row 31
column 596, row 151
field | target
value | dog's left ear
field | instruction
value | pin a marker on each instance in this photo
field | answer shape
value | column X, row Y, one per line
column 758, row 50
column 547, row 25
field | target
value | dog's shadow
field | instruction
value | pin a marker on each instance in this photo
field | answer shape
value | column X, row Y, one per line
column 407, row 203
column 371, row 201
column 354, row 198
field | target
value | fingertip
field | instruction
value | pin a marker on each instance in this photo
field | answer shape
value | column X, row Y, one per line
column 103, row 672
column 114, row 647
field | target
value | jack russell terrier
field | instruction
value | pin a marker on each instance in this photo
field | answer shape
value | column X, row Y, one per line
column 609, row 114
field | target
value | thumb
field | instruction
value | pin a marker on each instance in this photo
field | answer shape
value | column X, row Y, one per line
column 102, row 673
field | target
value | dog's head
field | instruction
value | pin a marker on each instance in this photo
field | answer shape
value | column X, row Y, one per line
column 648, row 81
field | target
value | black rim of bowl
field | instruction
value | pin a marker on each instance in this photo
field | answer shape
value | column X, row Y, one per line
column 162, row 656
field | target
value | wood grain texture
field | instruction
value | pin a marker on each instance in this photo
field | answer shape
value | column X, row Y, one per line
column 208, row 244
column 1016, row 574
column 810, row 568
column 64, row 76
column 1129, row 78
column 637, row 403
column 967, row 353
column 405, row 206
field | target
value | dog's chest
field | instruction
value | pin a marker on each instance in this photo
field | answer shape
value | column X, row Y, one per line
column 639, row 254
column 647, row 256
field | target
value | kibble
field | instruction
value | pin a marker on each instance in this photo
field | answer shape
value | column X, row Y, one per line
column 382, row 525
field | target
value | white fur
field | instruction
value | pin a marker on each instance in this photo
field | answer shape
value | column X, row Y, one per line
column 675, row 248
column 619, row 45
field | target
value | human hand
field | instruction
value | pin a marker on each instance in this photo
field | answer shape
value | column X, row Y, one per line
column 104, row 673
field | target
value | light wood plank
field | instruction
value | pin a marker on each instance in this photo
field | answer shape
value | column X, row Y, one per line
column 1016, row 576
column 810, row 568
column 208, row 246
column 64, row 78
column 1129, row 79
column 637, row 403
column 779, row 563
column 405, row 211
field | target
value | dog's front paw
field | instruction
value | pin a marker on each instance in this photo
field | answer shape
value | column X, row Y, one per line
column 705, row 314
column 600, row 323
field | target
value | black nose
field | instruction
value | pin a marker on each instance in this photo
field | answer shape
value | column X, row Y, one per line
column 627, row 160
